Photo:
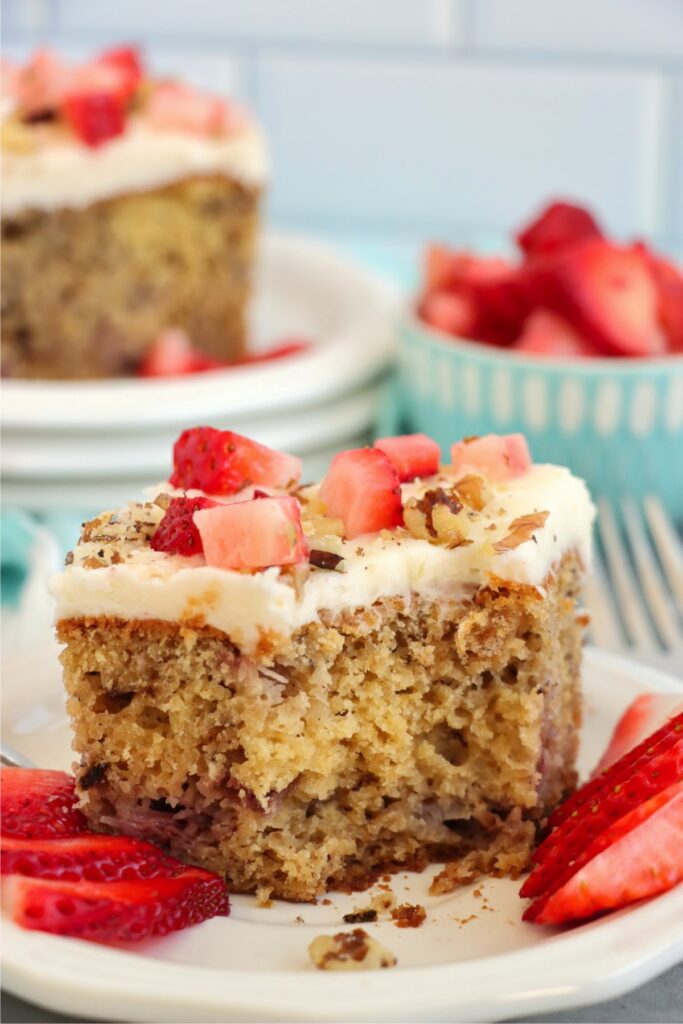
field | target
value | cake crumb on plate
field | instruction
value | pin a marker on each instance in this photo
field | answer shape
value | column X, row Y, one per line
column 349, row 951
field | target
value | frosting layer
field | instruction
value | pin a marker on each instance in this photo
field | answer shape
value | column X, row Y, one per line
column 152, row 585
column 66, row 174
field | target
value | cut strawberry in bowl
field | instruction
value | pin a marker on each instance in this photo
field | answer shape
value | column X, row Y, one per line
column 362, row 488
column 499, row 457
column 252, row 535
column 411, row 455
column 450, row 312
column 222, row 462
column 36, row 802
column 559, row 225
column 177, row 533
column 121, row 911
column 87, row 855
column 546, row 334
column 172, row 355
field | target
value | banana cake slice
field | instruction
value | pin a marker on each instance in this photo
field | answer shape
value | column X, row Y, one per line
column 301, row 686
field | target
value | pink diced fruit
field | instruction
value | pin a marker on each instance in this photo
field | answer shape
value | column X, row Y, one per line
column 251, row 535
column 411, row 455
column 362, row 488
column 222, row 462
column 497, row 456
column 176, row 107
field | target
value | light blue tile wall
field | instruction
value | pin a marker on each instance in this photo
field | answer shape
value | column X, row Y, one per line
column 399, row 118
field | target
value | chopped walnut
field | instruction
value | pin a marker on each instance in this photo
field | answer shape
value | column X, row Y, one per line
column 473, row 491
column 349, row 951
column 110, row 537
column 383, row 902
column 360, row 915
column 520, row 530
column 438, row 516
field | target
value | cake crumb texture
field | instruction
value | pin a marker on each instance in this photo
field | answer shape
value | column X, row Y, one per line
column 382, row 736
column 86, row 291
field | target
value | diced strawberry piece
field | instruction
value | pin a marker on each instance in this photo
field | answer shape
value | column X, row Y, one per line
column 222, row 462
column 669, row 281
column 638, row 856
column 362, row 489
column 127, row 62
column 641, row 719
column 559, row 225
column 445, row 268
column 177, row 533
column 251, row 535
column 497, row 456
column 450, row 312
column 546, row 334
column 95, row 117
column 175, row 107
column 411, row 455
column 172, row 355
column 608, row 294
column 42, row 83
column 87, row 855
column 116, row 911
column 652, row 766
column 35, row 803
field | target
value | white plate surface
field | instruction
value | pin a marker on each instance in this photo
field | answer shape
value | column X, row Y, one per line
column 253, row 966
column 303, row 289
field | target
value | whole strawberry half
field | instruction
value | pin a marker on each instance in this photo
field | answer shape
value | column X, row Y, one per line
column 177, row 533
column 623, row 801
column 34, row 802
column 119, row 910
column 223, row 462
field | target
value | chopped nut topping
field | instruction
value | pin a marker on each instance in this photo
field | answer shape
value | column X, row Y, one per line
column 409, row 915
column 438, row 516
column 361, row 916
column 384, row 902
column 349, row 951
column 324, row 559
column 110, row 537
column 473, row 491
column 520, row 530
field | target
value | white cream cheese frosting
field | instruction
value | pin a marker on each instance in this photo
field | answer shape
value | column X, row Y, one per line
column 64, row 174
column 151, row 585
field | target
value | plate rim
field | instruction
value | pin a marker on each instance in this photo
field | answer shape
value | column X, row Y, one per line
column 587, row 964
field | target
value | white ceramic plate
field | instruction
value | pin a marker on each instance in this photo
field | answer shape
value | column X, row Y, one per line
column 303, row 289
column 253, row 966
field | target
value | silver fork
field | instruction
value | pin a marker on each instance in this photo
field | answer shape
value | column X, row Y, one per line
column 635, row 594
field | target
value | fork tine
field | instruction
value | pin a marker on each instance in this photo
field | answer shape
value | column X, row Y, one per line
column 651, row 580
column 624, row 584
column 668, row 546
column 605, row 628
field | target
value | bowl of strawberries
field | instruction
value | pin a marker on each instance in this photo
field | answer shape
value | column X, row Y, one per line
column 577, row 341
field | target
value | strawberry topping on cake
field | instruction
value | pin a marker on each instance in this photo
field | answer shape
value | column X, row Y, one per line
column 177, row 533
column 362, row 488
column 248, row 535
column 222, row 462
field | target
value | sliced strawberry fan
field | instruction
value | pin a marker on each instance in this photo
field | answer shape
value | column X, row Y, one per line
column 619, row 838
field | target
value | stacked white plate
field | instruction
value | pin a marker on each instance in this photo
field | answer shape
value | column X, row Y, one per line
column 87, row 445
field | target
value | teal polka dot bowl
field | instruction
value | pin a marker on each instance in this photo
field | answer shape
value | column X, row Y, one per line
column 616, row 423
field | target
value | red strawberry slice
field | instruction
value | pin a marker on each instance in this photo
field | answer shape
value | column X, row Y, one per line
column 669, row 281
column 644, row 716
column 638, row 856
column 450, row 312
column 362, row 488
column 498, row 456
column 87, row 855
column 171, row 355
column 127, row 62
column 222, row 462
column 280, row 350
column 116, row 911
column 546, row 334
column 607, row 292
column 177, row 533
column 557, row 226
column 95, row 117
column 411, row 455
column 643, row 772
column 251, row 535
column 35, row 803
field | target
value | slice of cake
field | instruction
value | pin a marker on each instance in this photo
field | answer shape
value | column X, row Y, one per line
column 301, row 686
column 129, row 206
